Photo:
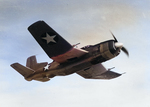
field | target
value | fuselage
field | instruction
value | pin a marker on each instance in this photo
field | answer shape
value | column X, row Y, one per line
column 96, row 54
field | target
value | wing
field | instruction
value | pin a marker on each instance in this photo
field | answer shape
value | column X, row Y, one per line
column 53, row 44
column 97, row 71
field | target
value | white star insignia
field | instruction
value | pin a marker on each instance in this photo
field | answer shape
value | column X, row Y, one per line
column 49, row 38
column 46, row 67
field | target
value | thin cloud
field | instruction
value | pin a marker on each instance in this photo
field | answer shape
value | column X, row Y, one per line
column 77, row 21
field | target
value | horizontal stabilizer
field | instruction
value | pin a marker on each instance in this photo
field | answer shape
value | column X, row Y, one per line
column 24, row 71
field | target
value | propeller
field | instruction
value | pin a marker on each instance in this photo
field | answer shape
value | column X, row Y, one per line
column 120, row 45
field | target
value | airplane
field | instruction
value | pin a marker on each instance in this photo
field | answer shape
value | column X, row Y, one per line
column 67, row 59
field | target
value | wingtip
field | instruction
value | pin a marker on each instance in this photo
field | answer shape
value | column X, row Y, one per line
column 12, row 65
column 35, row 23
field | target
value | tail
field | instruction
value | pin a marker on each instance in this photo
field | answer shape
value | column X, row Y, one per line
column 32, row 63
column 31, row 67
column 24, row 71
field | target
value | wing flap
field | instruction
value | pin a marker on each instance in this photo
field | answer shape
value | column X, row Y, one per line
column 24, row 71
column 74, row 53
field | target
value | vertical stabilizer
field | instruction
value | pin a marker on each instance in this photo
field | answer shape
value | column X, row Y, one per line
column 32, row 63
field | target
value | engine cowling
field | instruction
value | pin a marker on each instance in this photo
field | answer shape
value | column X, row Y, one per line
column 108, row 50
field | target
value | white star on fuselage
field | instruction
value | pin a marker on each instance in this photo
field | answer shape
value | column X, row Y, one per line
column 49, row 38
column 46, row 67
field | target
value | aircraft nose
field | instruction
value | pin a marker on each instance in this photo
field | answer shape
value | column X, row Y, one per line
column 118, row 45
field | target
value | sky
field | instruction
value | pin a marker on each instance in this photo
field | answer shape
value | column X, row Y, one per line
column 78, row 21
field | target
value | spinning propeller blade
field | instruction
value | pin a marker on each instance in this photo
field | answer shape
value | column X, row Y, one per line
column 114, row 37
column 125, row 51
column 118, row 45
